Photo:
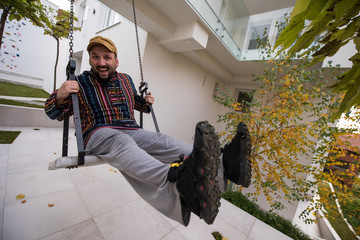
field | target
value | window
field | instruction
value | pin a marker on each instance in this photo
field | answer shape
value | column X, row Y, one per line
column 257, row 32
column 244, row 98
column 111, row 17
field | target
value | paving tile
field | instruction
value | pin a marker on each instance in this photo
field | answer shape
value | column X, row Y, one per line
column 174, row 235
column 23, row 147
column 198, row 229
column 92, row 202
column 227, row 230
column 135, row 221
column 4, row 150
column 57, row 133
column 104, row 196
column 173, row 223
column 2, row 204
column 31, row 133
column 87, row 175
column 35, row 219
column 3, row 171
column 30, row 162
column 236, row 217
column 36, row 183
column 42, row 140
column 263, row 231
column 87, row 230
column 2, row 184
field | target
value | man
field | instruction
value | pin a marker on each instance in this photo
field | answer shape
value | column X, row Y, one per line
column 172, row 176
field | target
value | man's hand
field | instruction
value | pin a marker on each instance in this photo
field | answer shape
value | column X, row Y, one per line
column 65, row 90
column 149, row 99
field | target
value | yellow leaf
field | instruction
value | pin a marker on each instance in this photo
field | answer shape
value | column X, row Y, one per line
column 50, row 205
column 20, row 196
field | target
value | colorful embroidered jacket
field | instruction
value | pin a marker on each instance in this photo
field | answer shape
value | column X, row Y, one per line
column 109, row 104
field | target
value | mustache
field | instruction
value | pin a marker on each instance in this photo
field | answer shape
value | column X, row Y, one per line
column 101, row 80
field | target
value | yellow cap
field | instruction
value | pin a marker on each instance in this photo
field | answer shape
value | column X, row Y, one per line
column 99, row 40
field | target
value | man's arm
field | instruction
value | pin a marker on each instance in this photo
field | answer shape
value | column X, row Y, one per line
column 65, row 90
column 59, row 103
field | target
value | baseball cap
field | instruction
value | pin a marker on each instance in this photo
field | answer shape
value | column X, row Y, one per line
column 99, row 40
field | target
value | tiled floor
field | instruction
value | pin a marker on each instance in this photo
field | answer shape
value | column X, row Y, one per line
column 92, row 202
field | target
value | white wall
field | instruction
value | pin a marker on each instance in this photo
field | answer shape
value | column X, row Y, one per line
column 183, row 92
column 28, row 56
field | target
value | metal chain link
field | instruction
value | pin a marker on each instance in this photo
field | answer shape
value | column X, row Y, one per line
column 137, row 41
column 71, row 30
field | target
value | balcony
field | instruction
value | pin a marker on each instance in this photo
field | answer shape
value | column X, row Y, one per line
column 228, row 21
column 235, row 28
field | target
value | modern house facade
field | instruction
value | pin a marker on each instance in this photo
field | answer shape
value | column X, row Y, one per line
column 188, row 48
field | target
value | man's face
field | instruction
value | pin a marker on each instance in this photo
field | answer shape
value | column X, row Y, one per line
column 103, row 62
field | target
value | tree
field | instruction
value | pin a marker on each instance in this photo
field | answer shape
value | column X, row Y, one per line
column 288, row 119
column 332, row 23
column 58, row 27
column 32, row 10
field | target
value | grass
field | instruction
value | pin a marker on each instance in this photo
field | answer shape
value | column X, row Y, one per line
column 18, row 103
column 274, row 220
column 12, row 89
column 333, row 215
column 8, row 137
column 17, row 90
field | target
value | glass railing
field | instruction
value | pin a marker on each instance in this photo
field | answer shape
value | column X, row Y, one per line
column 231, row 23
column 228, row 19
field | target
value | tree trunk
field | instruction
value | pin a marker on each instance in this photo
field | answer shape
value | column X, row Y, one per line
column 4, row 16
column 57, row 60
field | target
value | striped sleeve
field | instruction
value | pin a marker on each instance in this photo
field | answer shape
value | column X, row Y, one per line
column 58, row 113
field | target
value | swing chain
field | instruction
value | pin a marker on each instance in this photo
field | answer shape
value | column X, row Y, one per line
column 71, row 30
column 143, row 85
column 138, row 44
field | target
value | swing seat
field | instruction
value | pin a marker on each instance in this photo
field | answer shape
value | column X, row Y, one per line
column 72, row 162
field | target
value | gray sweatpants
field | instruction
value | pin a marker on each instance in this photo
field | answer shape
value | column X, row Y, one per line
column 143, row 157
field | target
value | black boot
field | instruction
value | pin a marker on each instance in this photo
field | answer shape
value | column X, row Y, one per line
column 236, row 157
column 195, row 176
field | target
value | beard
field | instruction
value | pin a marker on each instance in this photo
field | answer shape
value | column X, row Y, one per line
column 102, row 79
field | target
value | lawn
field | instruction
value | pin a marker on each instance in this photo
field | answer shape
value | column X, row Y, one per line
column 12, row 89
column 18, row 103
column 17, row 90
column 8, row 137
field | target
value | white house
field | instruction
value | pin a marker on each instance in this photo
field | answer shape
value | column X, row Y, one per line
column 188, row 49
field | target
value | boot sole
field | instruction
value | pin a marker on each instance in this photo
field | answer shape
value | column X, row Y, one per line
column 206, row 153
